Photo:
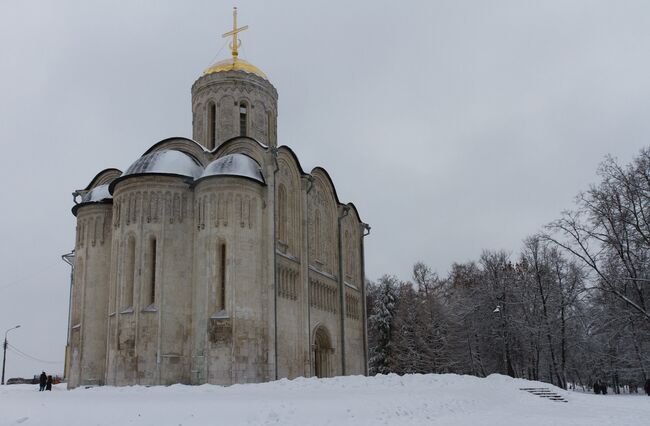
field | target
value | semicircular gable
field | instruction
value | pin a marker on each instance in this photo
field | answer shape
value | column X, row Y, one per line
column 327, row 178
column 184, row 145
column 288, row 205
column 323, row 213
column 355, row 212
column 104, row 177
column 287, row 163
column 321, row 174
column 242, row 145
column 288, row 151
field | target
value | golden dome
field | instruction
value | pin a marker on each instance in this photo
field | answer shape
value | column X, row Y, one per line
column 235, row 64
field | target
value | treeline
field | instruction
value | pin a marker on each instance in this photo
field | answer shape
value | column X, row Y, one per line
column 572, row 307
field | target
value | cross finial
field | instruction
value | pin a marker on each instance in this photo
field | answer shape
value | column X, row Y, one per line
column 234, row 45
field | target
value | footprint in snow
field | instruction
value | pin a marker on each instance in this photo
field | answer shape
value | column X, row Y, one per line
column 273, row 417
column 22, row 420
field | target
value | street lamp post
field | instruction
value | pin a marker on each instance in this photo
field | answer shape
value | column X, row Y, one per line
column 4, row 354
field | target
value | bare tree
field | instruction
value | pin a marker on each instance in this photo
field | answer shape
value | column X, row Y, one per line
column 572, row 308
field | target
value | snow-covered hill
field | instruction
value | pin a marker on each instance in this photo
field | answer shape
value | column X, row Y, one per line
column 382, row 400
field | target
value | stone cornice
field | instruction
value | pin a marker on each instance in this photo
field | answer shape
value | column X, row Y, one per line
column 235, row 77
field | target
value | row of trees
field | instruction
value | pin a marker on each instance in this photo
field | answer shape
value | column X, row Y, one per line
column 572, row 307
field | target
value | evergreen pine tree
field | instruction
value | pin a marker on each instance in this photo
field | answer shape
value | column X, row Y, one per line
column 382, row 321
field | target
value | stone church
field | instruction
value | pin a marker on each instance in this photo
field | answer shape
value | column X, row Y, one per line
column 217, row 259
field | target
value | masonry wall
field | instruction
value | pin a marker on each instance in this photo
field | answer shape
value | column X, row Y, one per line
column 195, row 279
column 228, row 91
column 354, row 338
column 353, row 279
column 231, row 332
column 291, row 321
column 90, row 295
column 149, row 331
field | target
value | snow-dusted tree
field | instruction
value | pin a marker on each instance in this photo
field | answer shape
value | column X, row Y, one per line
column 609, row 232
column 466, row 308
column 553, row 286
column 421, row 343
column 408, row 349
column 574, row 307
column 381, row 323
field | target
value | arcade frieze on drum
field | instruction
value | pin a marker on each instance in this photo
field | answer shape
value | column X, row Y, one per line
column 222, row 209
column 150, row 207
column 93, row 229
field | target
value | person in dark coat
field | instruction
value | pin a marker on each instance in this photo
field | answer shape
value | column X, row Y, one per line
column 597, row 387
column 42, row 381
column 646, row 387
column 48, row 385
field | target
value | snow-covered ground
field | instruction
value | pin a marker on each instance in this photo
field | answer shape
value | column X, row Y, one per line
column 382, row 400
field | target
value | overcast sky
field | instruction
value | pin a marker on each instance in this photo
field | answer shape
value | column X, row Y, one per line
column 454, row 126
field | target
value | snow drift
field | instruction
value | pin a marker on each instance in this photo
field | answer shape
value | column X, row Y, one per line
column 446, row 399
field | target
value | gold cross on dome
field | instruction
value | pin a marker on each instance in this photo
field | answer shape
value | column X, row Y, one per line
column 234, row 45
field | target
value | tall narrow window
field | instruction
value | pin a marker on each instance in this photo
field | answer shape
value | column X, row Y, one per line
column 112, row 292
column 221, row 287
column 129, row 275
column 212, row 128
column 76, row 291
column 282, row 214
column 149, row 292
column 317, row 235
column 269, row 130
column 348, row 254
column 243, row 118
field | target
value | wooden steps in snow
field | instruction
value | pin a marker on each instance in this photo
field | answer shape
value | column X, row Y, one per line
column 545, row 393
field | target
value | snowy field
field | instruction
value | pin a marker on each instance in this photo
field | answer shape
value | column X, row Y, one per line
column 383, row 400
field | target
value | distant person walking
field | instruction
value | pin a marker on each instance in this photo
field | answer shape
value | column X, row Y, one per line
column 42, row 381
column 48, row 385
column 646, row 387
column 597, row 387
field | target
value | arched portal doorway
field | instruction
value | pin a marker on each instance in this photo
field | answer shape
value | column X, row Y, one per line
column 323, row 351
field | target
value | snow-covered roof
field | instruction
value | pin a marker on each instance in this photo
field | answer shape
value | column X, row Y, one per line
column 234, row 165
column 170, row 162
column 97, row 194
column 177, row 163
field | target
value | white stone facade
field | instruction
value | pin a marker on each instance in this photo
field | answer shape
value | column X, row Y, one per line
column 217, row 261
